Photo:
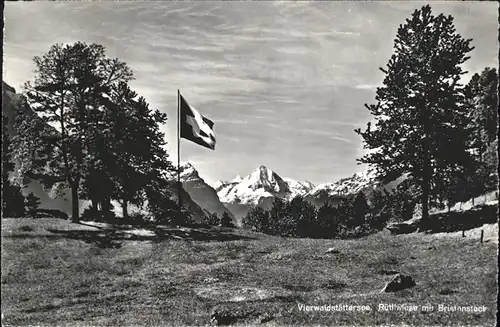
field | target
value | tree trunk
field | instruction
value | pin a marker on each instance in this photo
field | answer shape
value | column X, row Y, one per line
column 106, row 207
column 125, row 208
column 94, row 204
column 426, row 170
column 425, row 203
column 426, row 180
column 75, row 208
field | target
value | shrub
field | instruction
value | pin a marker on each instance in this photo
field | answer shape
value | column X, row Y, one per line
column 12, row 200
column 164, row 209
column 32, row 202
column 257, row 219
column 326, row 223
column 226, row 220
column 211, row 220
column 92, row 214
column 286, row 226
column 52, row 213
column 137, row 218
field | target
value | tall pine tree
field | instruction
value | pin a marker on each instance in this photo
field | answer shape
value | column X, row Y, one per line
column 482, row 99
column 135, row 148
column 66, row 93
column 420, row 112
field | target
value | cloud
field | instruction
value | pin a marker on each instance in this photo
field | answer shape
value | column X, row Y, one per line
column 367, row 86
column 285, row 83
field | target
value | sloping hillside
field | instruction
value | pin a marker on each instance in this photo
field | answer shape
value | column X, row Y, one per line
column 58, row 273
column 202, row 193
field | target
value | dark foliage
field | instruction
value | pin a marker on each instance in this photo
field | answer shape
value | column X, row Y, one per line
column 12, row 197
column 211, row 220
column 299, row 218
column 106, row 142
column 226, row 220
column 421, row 112
column 52, row 213
column 91, row 214
column 32, row 202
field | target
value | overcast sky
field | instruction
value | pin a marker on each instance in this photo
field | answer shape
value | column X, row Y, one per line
column 285, row 83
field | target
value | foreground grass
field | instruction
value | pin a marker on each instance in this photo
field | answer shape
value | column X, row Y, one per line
column 58, row 273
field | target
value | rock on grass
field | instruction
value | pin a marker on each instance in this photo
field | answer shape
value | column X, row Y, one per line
column 332, row 251
column 229, row 314
column 399, row 282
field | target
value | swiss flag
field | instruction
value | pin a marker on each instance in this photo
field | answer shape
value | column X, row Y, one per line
column 195, row 127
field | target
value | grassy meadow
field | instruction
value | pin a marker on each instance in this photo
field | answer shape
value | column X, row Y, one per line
column 58, row 273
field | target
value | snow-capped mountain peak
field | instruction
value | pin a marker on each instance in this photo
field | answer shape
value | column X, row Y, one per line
column 261, row 183
column 298, row 188
column 345, row 186
column 188, row 172
column 266, row 179
column 237, row 179
column 218, row 184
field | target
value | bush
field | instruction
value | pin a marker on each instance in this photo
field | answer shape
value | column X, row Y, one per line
column 165, row 210
column 352, row 232
column 327, row 223
column 52, row 213
column 226, row 220
column 12, row 200
column 359, row 209
column 304, row 215
column 211, row 220
column 257, row 219
column 91, row 214
column 352, row 217
column 174, row 216
column 286, row 226
column 32, row 202
column 136, row 218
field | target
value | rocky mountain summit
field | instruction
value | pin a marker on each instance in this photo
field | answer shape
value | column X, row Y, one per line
column 202, row 193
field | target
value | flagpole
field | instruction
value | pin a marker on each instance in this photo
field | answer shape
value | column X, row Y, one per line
column 179, row 147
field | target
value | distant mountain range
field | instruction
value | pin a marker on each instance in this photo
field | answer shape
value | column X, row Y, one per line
column 260, row 188
column 263, row 185
column 343, row 188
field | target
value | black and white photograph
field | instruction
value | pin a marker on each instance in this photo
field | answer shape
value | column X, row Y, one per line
column 249, row 163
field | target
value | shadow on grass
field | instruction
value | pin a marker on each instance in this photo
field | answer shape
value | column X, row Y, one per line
column 106, row 300
column 114, row 236
column 455, row 221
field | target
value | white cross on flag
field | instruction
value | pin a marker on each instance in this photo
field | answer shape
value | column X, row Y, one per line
column 195, row 127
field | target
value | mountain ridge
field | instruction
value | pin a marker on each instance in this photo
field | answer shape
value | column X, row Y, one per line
column 202, row 193
column 263, row 185
column 261, row 182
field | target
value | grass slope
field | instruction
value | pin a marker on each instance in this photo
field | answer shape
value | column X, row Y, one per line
column 58, row 273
